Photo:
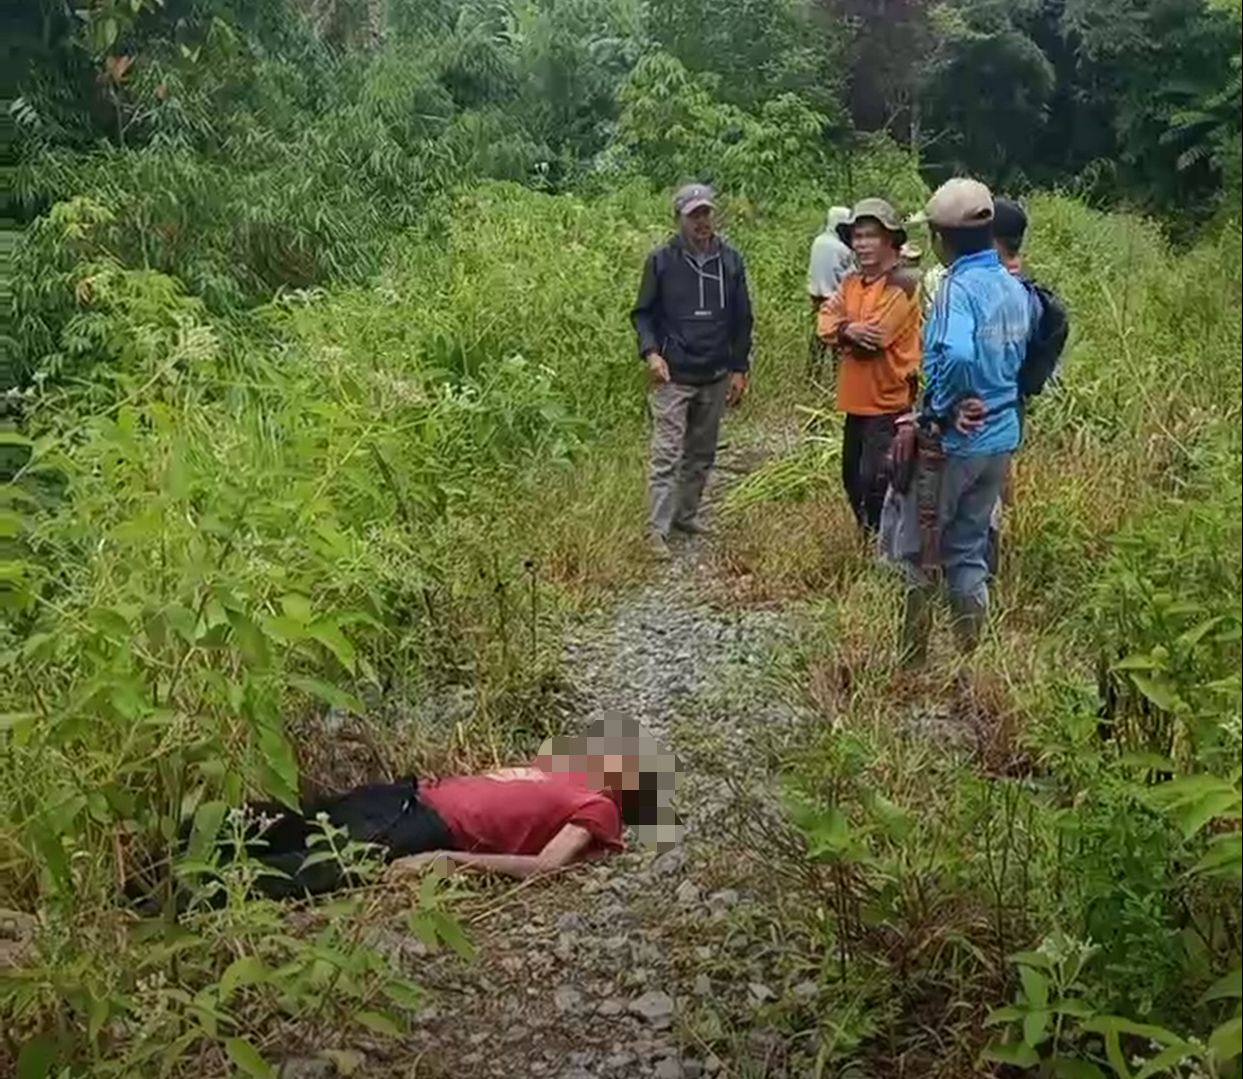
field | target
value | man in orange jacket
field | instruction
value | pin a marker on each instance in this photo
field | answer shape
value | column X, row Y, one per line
column 874, row 323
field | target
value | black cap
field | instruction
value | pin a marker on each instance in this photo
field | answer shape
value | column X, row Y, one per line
column 1009, row 220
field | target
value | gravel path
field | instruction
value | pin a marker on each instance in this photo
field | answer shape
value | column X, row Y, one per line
column 621, row 969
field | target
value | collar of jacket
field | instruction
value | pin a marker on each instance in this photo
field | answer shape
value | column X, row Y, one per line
column 988, row 257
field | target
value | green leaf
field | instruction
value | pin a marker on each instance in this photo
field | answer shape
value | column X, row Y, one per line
column 13, row 720
column 1140, row 661
column 1158, row 691
column 246, row 1057
column 38, row 1056
column 1226, row 1041
column 1008, row 1014
column 319, row 857
column 1229, row 986
column 1071, row 1006
column 1113, row 1052
column 1186, row 790
column 328, row 693
column 420, row 924
column 98, row 1012
column 330, row 636
column 245, row 970
column 378, row 1022
column 1035, row 1027
column 341, row 908
column 893, row 818
column 52, row 852
column 1064, row 1068
column 251, row 641
column 1019, row 1054
column 1191, row 818
column 452, row 934
column 1032, row 959
column 1164, row 1061
column 297, row 608
column 404, row 994
column 1224, row 857
column 1035, row 986
column 281, row 767
column 1152, row 761
column 207, row 821
column 1104, row 1024
column 1196, row 634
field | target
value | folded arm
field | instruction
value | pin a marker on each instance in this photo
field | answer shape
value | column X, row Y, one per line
column 831, row 322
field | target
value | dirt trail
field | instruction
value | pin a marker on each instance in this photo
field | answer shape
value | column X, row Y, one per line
column 630, row 967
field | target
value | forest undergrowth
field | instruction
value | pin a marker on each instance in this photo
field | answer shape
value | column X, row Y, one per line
column 321, row 427
column 354, row 500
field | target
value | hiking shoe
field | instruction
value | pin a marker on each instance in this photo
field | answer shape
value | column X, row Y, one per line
column 969, row 619
column 692, row 528
column 659, row 547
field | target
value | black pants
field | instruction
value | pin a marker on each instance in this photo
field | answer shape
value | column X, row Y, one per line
column 865, row 465
column 387, row 814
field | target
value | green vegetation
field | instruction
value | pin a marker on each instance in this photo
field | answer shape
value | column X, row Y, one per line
column 323, row 401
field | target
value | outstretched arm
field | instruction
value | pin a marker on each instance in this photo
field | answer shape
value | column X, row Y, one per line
column 566, row 847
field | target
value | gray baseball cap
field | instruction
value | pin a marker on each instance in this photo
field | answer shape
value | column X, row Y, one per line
column 960, row 203
column 691, row 197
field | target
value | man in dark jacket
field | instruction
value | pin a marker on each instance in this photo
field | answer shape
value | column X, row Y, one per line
column 693, row 320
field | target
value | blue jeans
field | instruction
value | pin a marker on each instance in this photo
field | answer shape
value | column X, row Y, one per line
column 970, row 488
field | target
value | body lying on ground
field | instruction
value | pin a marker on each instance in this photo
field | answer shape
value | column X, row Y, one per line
column 569, row 805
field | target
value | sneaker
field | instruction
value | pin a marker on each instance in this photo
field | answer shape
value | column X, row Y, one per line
column 692, row 528
column 659, row 547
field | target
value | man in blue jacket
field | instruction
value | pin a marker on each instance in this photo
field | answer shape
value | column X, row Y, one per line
column 975, row 338
column 693, row 320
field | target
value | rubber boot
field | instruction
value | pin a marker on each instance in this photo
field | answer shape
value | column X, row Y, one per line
column 917, row 625
column 969, row 617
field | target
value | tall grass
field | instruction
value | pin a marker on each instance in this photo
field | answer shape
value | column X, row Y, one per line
column 1111, row 665
column 377, row 499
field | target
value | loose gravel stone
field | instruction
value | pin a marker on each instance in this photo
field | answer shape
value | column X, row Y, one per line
column 655, row 1006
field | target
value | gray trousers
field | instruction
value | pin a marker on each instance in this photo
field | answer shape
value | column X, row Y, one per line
column 685, row 423
column 969, row 492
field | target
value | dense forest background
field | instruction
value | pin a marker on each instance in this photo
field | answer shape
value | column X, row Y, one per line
column 250, row 146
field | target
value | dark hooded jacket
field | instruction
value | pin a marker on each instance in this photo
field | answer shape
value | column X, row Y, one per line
column 695, row 311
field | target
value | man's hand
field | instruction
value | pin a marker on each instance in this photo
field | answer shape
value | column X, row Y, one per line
column 866, row 334
column 737, row 388
column 657, row 369
column 969, row 415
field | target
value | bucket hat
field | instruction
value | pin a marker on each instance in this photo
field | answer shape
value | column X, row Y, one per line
column 877, row 210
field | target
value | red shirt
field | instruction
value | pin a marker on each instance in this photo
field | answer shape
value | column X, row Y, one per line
column 518, row 810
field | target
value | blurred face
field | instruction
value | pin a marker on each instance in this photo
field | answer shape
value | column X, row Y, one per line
column 941, row 249
column 699, row 226
column 872, row 245
column 613, row 771
column 605, row 771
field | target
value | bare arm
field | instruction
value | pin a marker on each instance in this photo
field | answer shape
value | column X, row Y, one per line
column 565, row 848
